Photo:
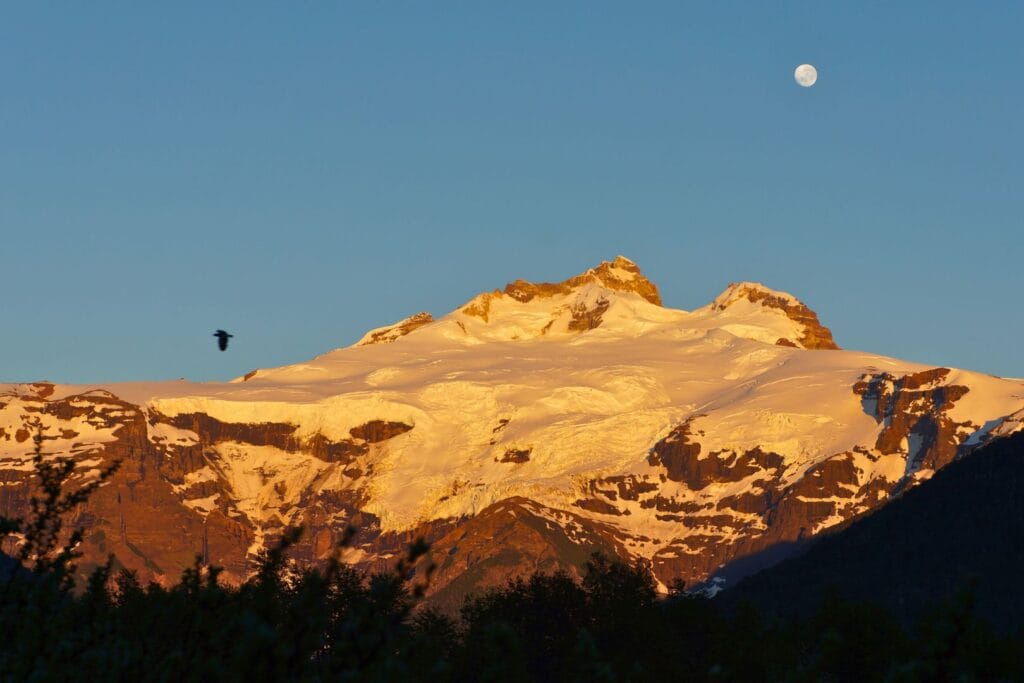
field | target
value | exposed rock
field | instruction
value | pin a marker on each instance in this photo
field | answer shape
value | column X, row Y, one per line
column 620, row 275
column 599, row 506
column 516, row 455
column 513, row 538
column 280, row 435
column 212, row 430
column 671, row 504
column 43, row 389
column 480, row 307
column 376, row 431
column 675, row 452
column 390, row 333
column 584, row 318
column 913, row 411
column 815, row 335
column 682, row 462
column 626, row 487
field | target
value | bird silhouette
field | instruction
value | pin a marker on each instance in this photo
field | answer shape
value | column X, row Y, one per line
column 222, row 339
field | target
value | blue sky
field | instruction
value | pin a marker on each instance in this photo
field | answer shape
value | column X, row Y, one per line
column 297, row 173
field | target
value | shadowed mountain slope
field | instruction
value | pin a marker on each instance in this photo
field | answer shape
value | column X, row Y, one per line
column 965, row 528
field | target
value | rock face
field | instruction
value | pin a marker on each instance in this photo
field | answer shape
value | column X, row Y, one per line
column 620, row 275
column 390, row 333
column 814, row 336
column 913, row 411
column 524, row 430
column 577, row 304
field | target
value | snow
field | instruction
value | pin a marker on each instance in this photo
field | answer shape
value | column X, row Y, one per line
column 203, row 506
column 161, row 432
column 264, row 481
column 1011, row 425
column 737, row 292
column 76, row 436
column 203, row 474
column 390, row 333
column 587, row 404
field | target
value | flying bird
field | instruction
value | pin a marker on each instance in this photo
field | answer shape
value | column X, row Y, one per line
column 222, row 339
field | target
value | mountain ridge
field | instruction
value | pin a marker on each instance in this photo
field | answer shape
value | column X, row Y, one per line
column 569, row 416
column 580, row 303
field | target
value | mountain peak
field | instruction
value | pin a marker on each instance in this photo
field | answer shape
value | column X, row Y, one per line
column 523, row 310
column 746, row 294
column 616, row 297
column 750, row 291
column 621, row 274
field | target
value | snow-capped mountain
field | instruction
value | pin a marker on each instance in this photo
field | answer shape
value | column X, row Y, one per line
column 522, row 431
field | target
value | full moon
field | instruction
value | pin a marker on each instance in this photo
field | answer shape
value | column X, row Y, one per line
column 806, row 75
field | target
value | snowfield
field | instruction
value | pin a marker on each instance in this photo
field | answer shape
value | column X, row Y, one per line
column 557, row 393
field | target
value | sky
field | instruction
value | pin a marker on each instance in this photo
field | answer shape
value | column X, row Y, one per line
column 298, row 173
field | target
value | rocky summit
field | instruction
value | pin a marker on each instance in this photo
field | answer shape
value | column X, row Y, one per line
column 522, row 431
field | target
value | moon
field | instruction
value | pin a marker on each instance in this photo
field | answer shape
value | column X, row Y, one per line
column 806, row 75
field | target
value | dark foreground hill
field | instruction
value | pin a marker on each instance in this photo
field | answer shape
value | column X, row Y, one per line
column 963, row 530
